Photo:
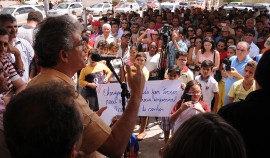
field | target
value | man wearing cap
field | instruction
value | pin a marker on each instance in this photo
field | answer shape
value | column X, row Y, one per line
column 248, row 37
column 106, row 29
column 124, row 46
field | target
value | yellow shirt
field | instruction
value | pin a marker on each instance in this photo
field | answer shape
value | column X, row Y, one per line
column 238, row 92
column 96, row 131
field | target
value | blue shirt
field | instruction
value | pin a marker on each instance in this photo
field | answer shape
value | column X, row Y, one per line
column 171, row 51
column 240, row 68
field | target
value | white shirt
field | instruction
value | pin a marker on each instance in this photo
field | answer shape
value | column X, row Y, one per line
column 254, row 50
column 186, row 114
column 124, row 55
column 152, row 61
column 26, row 32
column 27, row 54
column 209, row 87
column 110, row 39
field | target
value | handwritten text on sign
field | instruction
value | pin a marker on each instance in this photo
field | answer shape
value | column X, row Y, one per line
column 158, row 98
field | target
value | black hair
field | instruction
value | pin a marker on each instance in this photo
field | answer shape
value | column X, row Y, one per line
column 262, row 75
column 6, row 18
column 181, row 53
column 3, row 31
column 43, row 121
column 174, row 68
column 208, row 63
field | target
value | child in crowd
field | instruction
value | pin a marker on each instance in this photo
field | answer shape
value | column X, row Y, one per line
column 116, row 63
column 173, row 74
column 231, row 50
column 93, row 74
column 103, row 47
column 209, row 84
column 190, row 104
column 133, row 147
column 241, row 88
column 140, row 59
column 185, row 74
column 133, row 52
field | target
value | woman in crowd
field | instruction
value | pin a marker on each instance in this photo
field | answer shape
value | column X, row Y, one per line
column 125, row 27
column 208, row 52
column 152, row 61
column 154, row 37
column 132, row 54
column 192, row 53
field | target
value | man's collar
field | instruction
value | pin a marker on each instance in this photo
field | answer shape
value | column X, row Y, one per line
column 58, row 74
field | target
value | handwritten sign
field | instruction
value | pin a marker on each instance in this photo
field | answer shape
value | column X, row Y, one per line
column 158, row 99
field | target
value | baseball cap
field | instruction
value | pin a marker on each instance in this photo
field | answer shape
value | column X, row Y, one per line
column 96, row 23
column 126, row 33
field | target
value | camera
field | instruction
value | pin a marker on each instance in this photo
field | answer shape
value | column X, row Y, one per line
column 165, row 33
column 227, row 63
column 197, row 68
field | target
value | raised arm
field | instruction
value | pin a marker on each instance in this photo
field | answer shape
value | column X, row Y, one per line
column 117, row 142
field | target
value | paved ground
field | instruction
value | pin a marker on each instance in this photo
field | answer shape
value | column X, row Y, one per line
column 151, row 144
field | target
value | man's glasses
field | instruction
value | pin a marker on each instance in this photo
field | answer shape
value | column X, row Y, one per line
column 124, row 22
column 190, row 30
column 81, row 43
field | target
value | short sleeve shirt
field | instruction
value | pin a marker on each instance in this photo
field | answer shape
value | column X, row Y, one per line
column 96, row 131
column 238, row 92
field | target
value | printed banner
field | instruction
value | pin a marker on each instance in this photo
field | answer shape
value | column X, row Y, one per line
column 158, row 99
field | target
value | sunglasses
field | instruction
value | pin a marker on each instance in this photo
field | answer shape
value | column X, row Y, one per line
column 248, row 34
column 154, row 34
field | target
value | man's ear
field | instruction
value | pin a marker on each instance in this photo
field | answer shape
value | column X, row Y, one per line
column 63, row 56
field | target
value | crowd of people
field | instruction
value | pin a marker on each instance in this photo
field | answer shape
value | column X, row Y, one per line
column 51, row 67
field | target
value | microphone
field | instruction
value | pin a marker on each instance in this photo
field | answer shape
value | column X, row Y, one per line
column 98, row 57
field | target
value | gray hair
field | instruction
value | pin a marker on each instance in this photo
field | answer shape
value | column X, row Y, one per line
column 106, row 25
column 53, row 35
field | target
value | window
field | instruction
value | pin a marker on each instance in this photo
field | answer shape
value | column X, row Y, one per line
column 21, row 11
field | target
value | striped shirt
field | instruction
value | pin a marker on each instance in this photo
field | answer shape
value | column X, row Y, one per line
column 12, row 74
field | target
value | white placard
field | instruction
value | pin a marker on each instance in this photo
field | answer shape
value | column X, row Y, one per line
column 108, row 115
column 158, row 99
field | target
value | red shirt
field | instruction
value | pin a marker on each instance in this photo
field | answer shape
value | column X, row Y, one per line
column 178, row 105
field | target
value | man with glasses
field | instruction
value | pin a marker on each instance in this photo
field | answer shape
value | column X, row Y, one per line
column 248, row 37
column 238, row 63
column 61, row 57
